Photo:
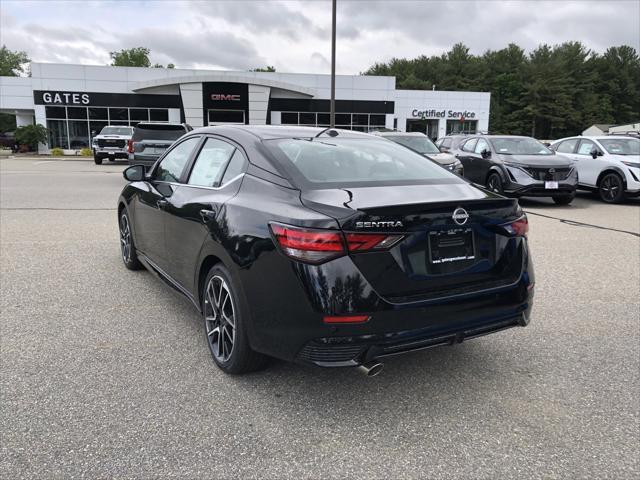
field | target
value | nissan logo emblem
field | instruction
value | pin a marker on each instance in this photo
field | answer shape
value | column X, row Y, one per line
column 460, row 216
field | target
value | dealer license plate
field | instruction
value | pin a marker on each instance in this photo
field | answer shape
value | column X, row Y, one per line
column 451, row 245
column 551, row 185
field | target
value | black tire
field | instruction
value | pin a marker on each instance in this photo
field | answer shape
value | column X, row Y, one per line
column 494, row 183
column 611, row 188
column 97, row 159
column 564, row 199
column 225, row 324
column 127, row 247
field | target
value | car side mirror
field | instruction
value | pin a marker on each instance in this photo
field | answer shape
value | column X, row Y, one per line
column 135, row 173
column 595, row 153
column 486, row 153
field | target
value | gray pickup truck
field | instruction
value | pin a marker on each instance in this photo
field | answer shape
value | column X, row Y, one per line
column 111, row 143
column 150, row 140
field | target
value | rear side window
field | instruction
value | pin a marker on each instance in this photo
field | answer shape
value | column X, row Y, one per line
column 235, row 167
column 568, row 146
column 210, row 163
column 354, row 161
column 173, row 163
column 150, row 131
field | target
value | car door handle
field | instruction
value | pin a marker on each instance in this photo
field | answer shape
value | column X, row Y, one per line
column 162, row 204
column 207, row 215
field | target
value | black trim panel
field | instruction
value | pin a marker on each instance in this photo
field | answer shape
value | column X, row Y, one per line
column 342, row 106
column 96, row 99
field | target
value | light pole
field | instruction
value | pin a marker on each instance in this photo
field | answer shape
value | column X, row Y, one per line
column 332, row 114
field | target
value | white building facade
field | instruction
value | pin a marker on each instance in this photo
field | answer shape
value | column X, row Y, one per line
column 74, row 102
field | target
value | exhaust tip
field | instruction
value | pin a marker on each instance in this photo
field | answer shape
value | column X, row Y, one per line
column 371, row 369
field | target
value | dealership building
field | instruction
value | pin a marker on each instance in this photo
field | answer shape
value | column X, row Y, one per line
column 74, row 102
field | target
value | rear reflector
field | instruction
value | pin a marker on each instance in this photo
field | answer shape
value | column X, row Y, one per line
column 347, row 319
column 519, row 227
column 130, row 146
column 318, row 245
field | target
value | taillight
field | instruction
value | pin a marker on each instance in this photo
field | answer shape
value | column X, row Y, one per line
column 318, row 246
column 307, row 245
column 130, row 146
column 360, row 242
column 518, row 228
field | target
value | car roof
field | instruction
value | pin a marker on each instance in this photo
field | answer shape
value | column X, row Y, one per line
column 265, row 132
column 400, row 134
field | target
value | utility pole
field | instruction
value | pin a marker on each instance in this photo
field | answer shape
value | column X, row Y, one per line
column 332, row 115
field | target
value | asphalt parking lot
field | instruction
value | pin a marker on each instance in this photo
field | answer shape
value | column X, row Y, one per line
column 106, row 372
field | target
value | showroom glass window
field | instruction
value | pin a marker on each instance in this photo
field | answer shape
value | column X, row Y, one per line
column 456, row 126
column 362, row 122
column 74, row 127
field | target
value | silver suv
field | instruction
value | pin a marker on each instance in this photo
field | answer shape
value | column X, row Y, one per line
column 422, row 144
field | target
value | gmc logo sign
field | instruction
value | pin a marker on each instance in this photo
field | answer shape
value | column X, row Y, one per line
column 225, row 98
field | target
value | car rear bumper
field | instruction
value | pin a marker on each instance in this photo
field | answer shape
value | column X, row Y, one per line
column 358, row 350
column 287, row 313
column 146, row 160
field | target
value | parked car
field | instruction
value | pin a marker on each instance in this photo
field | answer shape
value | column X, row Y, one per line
column 422, row 144
column 111, row 143
column 150, row 140
column 517, row 166
column 608, row 164
column 327, row 247
column 450, row 142
column 8, row 139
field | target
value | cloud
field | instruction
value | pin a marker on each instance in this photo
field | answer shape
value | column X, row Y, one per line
column 273, row 17
column 295, row 36
column 200, row 48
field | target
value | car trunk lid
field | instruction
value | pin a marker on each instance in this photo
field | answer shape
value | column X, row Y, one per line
column 453, row 239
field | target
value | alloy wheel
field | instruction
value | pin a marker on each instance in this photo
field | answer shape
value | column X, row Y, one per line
column 610, row 188
column 125, row 238
column 494, row 184
column 220, row 319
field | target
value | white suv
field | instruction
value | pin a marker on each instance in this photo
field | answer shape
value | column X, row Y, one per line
column 609, row 164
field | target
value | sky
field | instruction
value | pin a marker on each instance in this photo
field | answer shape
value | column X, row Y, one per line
column 295, row 36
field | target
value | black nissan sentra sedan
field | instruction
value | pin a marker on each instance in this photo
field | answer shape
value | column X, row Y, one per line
column 324, row 246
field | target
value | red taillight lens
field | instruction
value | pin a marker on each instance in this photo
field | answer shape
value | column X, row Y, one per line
column 130, row 146
column 519, row 227
column 360, row 242
column 317, row 246
column 307, row 245
column 347, row 319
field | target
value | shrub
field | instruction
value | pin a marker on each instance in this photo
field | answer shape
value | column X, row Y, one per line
column 31, row 135
column 57, row 152
column 86, row 152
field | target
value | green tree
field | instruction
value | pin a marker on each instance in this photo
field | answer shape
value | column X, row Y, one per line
column 268, row 68
column 31, row 135
column 131, row 57
column 12, row 62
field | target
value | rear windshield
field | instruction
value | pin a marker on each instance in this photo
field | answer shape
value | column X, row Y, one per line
column 158, row 132
column 341, row 162
column 621, row 146
column 519, row 146
column 421, row 144
column 116, row 131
